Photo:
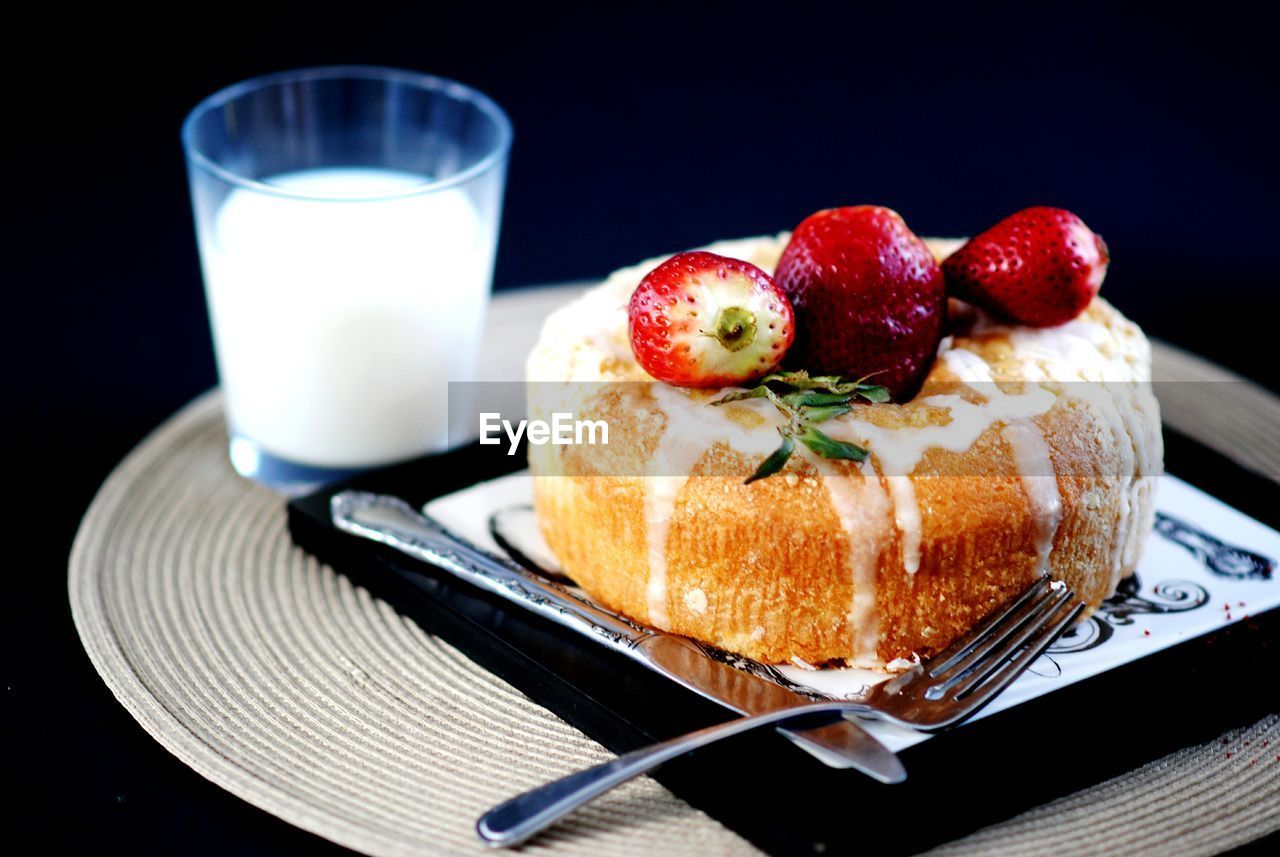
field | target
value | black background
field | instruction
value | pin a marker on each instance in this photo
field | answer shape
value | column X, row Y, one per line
column 638, row 131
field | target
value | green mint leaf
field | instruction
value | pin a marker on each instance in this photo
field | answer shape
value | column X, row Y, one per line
column 833, row 384
column 812, row 398
column 753, row 393
column 776, row 459
column 791, row 379
column 822, row 413
column 802, row 380
column 829, row 447
column 806, row 400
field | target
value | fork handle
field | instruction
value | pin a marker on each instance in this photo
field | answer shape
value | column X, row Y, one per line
column 514, row 821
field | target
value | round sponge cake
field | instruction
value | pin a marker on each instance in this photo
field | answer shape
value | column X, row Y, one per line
column 1029, row 451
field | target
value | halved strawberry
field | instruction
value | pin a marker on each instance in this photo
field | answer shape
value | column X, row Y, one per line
column 1040, row 266
column 703, row 320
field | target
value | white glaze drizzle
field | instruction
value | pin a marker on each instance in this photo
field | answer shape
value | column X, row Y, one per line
column 1035, row 467
column 899, row 450
column 862, row 509
column 692, row 429
column 1030, row 454
column 906, row 515
column 1076, row 353
column 659, row 507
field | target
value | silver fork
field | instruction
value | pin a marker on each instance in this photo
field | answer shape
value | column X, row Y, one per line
column 956, row 683
column 939, row 694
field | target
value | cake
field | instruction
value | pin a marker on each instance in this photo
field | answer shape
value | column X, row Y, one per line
column 1026, row 451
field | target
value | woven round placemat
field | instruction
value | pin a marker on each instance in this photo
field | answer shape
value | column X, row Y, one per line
column 274, row 677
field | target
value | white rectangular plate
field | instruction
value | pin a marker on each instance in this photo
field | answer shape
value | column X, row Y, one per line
column 1205, row 566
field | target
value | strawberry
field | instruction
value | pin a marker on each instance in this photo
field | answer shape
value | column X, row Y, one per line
column 1040, row 266
column 868, row 297
column 702, row 320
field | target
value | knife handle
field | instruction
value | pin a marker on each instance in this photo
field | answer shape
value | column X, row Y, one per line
column 393, row 522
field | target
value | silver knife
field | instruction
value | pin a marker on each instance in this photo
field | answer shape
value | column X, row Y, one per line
column 393, row 522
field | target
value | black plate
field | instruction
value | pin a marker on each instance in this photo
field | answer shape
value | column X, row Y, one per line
column 762, row 787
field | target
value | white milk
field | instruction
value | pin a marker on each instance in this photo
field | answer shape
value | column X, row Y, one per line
column 339, row 323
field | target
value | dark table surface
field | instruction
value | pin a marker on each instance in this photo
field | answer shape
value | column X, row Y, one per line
column 637, row 131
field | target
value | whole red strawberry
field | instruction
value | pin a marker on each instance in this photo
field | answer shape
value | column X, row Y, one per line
column 702, row 320
column 868, row 297
column 1040, row 267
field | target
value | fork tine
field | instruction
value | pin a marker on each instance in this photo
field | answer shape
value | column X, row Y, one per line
column 957, row 658
column 989, row 658
column 979, row 694
column 1028, row 635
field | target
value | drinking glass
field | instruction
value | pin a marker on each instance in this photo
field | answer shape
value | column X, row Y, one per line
column 347, row 219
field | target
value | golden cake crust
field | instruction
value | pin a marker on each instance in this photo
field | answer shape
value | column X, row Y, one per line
column 1027, row 452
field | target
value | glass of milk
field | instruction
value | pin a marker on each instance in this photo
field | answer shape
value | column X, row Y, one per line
column 347, row 219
